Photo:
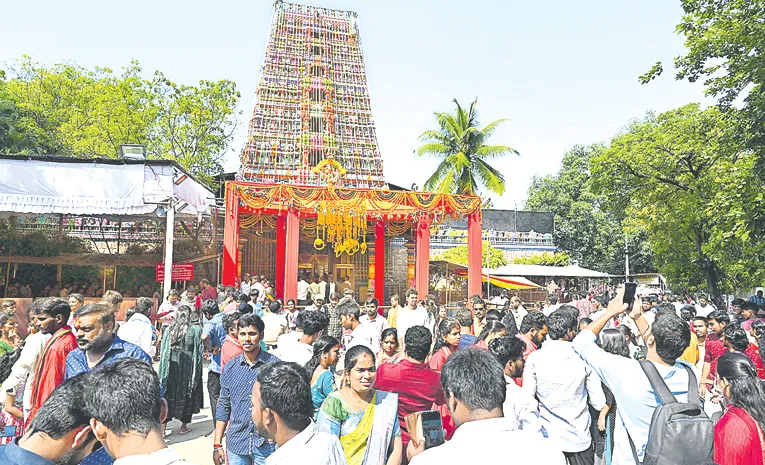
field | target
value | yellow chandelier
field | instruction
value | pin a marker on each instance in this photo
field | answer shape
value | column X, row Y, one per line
column 345, row 228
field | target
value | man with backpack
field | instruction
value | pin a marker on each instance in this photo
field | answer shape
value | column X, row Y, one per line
column 659, row 419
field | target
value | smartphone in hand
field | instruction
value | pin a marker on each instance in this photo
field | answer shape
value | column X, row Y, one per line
column 629, row 294
column 425, row 426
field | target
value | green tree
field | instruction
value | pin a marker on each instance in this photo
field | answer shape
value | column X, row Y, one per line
column 461, row 145
column 194, row 124
column 545, row 259
column 725, row 49
column 12, row 138
column 490, row 257
column 725, row 42
column 592, row 236
column 68, row 110
column 684, row 177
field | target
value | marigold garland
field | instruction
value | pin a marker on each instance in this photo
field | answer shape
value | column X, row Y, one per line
column 340, row 216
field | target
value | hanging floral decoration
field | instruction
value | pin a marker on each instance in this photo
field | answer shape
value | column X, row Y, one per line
column 345, row 229
column 339, row 216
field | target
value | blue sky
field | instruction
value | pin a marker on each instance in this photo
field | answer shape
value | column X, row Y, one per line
column 564, row 72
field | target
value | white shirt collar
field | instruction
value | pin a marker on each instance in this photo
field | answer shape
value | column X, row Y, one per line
column 297, row 441
column 165, row 456
column 475, row 430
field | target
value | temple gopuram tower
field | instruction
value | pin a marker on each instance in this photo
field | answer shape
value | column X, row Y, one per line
column 312, row 124
column 310, row 197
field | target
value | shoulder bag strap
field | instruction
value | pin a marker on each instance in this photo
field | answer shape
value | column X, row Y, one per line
column 693, row 385
column 634, row 451
column 661, row 390
column 657, row 382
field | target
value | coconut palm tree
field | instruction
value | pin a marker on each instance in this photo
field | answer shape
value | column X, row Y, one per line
column 460, row 143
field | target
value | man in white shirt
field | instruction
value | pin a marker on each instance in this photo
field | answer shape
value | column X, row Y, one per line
column 374, row 323
column 318, row 303
column 704, row 308
column 133, row 435
column 477, row 411
column 552, row 305
column 678, row 304
column 282, row 412
column 562, row 382
column 301, row 351
column 499, row 300
column 519, row 311
column 666, row 340
column 294, row 335
column 138, row 329
column 260, row 287
column 411, row 315
column 244, row 286
column 327, row 286
column 166, row 312
column 275, row 325
column 24, row 368
column 518, row 406
column 350, row 313
column 303, row 288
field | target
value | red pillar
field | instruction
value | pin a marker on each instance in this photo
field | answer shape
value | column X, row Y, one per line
column 475, row 268
column 422, row 256
column 292, row 248
column 281, row 240
column 380, row 263
column 230, row 274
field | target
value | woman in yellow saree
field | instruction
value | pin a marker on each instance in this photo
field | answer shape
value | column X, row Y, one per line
column 365, row 419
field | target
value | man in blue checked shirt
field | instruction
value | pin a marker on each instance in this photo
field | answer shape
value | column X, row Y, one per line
column 99, row 346
column 243, row 443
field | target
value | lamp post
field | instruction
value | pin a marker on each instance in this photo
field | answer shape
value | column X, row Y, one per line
column 169, row 230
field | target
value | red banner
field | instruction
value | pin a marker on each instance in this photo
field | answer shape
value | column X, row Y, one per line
column 181, row 272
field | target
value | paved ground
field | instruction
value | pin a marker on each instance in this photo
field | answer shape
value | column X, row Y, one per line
column 194, row 446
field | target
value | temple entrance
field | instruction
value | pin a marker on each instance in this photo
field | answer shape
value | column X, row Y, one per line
column 257, row 256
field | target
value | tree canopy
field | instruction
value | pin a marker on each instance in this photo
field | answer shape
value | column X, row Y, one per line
column 68, row 110
column 725, row 43
column 545, row 259
column 685, row 177
column 591, row 235
column 490, row 257
column 461, row 145
column 725, row 48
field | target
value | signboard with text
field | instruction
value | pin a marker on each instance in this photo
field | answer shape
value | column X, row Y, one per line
column 181, row 272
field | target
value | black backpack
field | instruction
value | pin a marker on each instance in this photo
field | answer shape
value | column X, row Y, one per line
column 680, row 433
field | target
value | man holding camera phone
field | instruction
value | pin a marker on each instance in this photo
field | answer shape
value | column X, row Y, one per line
column 666, row 341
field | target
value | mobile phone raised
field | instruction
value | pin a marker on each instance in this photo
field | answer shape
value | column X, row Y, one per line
column 629, row 293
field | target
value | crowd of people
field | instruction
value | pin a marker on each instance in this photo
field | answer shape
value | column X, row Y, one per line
column 92, row 288
column 326, row 379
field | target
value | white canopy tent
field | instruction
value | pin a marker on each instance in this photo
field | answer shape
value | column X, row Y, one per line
column 123, row 188
column 572, row 271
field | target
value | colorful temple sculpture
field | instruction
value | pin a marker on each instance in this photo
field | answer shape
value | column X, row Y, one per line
column 310, row 193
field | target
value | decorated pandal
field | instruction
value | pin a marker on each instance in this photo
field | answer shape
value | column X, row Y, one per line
column 339, row 218
column 310, row 189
